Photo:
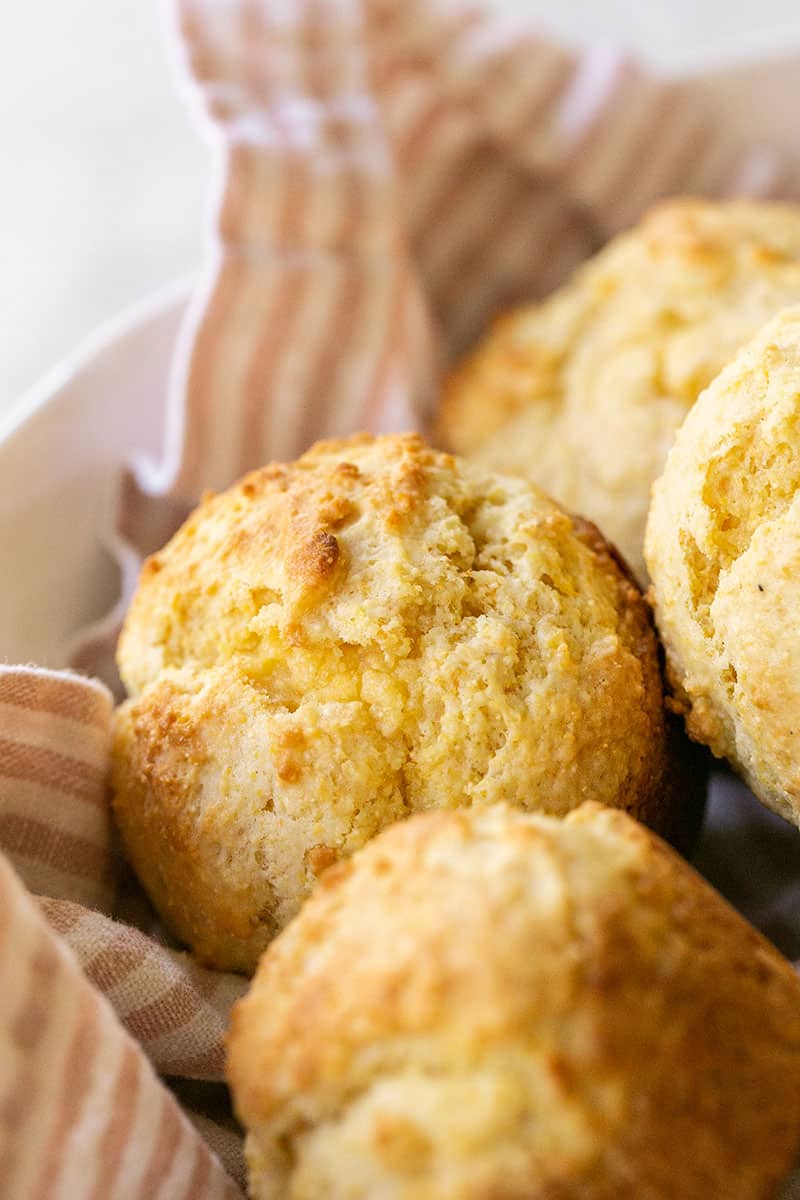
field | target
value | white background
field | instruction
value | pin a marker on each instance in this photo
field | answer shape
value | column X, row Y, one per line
column 103, row 177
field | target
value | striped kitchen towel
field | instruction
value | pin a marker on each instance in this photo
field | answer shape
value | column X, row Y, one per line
column 90, row 1008
column 390, row 174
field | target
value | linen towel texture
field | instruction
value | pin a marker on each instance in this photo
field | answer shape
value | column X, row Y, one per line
column 390, row 175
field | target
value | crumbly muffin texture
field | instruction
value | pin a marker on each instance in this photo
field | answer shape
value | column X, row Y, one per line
column 723, row 549
column 339, row 642
column 489, row 1003
column 583, row 393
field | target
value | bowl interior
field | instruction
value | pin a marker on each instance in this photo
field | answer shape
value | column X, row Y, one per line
column 61, row 452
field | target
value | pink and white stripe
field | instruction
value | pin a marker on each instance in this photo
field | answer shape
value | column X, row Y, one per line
column 391, row 176
column 82, row 1113
column 54, row 820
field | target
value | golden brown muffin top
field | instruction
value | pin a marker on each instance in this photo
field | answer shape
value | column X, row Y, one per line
column 583, row 393
column 491, row 1003
column 374, row 630
column 376, row 571
column 362, row 542
column 671, row 285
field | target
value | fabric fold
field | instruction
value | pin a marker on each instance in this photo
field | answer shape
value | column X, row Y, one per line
column 83, row 1113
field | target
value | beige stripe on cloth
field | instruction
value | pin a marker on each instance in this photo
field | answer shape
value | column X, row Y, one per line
column 54, row 820
column 307, row 318
column 80, row 1106
column 176, row 1010
column 79, row 1103
column 389, row 175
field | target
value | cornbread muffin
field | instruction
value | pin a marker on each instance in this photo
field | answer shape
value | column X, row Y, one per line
column 583, row 394
column 723, row 549
column 336, row 643
column 489, row 1003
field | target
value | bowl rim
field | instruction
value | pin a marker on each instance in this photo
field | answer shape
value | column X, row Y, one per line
column 67, row 369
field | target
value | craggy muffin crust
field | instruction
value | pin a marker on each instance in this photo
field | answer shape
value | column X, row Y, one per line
column 583, row 393
column 339, row 642
column 486, row 1003
column 723, row 549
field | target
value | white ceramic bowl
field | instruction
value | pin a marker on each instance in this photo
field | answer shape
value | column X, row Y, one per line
column 61, row 450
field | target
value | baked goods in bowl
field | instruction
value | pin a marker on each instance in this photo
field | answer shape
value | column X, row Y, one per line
column 723, row 549
column 336, row 643
column 493, row 1003
column 583, row 393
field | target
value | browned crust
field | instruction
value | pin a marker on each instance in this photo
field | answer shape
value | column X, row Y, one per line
column 313, row 561
column 156, row 757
